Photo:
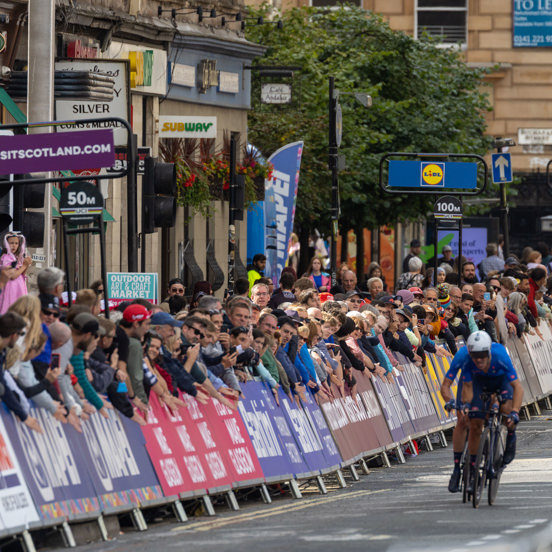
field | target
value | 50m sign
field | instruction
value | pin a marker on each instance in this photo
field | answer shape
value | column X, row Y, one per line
column 80, row 202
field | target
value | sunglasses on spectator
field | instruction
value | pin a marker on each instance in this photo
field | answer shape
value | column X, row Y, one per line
column 198, row 332
column 22, row 333
column 99, row 291
column 46, row 312
column 357, row 301
column 496, row 288
column 178, row 290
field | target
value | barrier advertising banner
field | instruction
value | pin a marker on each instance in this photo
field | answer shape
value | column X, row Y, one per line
column 528, row 368
column 393, row 409
column 307, row 439
column 16, row 504
column 113, row 448
column 54, row 469
column 540, row 351
column 434, row 374
column 270, row 434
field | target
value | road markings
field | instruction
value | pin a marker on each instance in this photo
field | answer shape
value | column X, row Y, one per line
column 251, row 516
column 492, row 537
column 525, row 526
column 511, row 531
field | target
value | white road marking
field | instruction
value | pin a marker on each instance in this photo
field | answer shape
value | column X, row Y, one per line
column 511, row 531
column 492, row 537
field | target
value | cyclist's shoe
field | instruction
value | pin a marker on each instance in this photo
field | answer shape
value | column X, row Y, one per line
column 454, row 481
column 510, row 449
column 471, row 485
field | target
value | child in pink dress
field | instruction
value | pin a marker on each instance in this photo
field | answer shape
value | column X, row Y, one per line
column 15, row 257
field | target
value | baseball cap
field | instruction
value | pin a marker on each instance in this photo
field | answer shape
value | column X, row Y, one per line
column 415, row 291
column 325, row 296
column 136, row 313
column 85, row 323
column 162, row 318
column 387, row 300
column 352, row 293
column 287, row 320
column 404, row 313
column 446, row 248
column 415, row 243
column 511, row 261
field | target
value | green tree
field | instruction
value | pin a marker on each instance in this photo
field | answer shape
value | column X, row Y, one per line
column 425, row 99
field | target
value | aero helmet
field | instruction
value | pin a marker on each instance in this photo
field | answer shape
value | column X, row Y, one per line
column 479, row 342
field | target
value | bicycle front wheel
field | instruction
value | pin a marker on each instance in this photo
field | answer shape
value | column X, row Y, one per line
column 480, row 468
column 498, row 452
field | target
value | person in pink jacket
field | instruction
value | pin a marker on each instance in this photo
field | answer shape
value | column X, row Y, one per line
column 14, row 256
column 320, row 279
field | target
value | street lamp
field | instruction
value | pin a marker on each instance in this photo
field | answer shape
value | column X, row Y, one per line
column 335, row 128
column 499, row 143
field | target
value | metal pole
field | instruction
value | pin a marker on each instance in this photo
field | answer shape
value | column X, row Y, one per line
column 132, row 209
column 67, row 271
column 40, row 90
column 504, row 223
column 103, row 265
column 460, row 248
column 231, row 217
column 332, row 165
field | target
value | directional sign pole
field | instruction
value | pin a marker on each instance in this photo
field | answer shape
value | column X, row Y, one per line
column 502, row 173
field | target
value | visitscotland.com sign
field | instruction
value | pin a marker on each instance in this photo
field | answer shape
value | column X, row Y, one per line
column 31, row 153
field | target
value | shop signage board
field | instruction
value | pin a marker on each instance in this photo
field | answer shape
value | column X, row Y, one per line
column 74, row 110
column 127, row 286
column 172, row 126
column 431, row 174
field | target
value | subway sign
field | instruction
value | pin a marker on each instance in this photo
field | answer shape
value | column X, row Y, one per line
column 171, row 126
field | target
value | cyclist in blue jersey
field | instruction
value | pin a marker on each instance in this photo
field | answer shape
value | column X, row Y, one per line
column 486, row 366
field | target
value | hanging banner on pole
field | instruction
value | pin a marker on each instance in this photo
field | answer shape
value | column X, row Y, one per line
column 279, row 205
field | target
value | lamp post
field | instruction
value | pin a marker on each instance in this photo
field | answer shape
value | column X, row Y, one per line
column 335, row 128
column 500, row 143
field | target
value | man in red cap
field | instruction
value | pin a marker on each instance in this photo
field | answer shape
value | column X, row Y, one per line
column 135, row 323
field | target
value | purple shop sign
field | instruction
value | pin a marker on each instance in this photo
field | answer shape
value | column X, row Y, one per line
column 31, row 153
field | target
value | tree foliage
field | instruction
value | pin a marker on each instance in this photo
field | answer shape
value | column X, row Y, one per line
column 425, row 99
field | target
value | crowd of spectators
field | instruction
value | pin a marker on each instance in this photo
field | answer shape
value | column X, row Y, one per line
column 74, row 360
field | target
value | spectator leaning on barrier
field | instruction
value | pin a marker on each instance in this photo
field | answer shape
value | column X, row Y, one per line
column 12, row 327
column 84, row 329
column 135, row 323
column 537, row 280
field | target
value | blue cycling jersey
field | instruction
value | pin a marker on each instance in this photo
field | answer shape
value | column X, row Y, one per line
column 501, row 365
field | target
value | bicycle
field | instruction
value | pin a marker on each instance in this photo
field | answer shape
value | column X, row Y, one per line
column 488, row 463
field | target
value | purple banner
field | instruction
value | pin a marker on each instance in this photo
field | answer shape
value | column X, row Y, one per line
column 30, row 153
column 53, row 468
column 270, row 434
column 119, row 466
column 318, row 423
column 307, row 439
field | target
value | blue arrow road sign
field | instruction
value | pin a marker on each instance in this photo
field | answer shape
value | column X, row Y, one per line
column 502, row 167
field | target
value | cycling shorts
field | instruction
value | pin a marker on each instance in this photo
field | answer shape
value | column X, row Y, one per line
column 488, row 384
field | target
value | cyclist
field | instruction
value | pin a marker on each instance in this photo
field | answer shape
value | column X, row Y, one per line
column 486, row 366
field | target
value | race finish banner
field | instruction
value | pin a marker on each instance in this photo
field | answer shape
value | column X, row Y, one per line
column 127, row 286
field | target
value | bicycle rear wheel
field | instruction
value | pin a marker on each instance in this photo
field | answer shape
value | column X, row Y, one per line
column 499, row 445
column 480, row 475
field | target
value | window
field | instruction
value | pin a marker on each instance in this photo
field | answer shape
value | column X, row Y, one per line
column 443, row 18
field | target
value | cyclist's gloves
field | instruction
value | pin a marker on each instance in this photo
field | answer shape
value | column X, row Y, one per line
column 514, row 416
column 451, row 405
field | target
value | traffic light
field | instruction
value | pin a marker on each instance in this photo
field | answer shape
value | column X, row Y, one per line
column 5, row 207
column 29, row 223
column 158, row 195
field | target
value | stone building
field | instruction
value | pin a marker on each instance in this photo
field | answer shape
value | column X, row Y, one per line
column 191, row 62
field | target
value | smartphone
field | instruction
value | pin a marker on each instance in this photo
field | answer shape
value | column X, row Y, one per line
column 239, row 349
column 421, row 321
column 14, row 264
column 487, row 296
column 232, row 350
column 55, row 362
column 122, row 387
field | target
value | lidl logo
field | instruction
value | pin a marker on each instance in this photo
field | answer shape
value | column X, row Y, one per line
column 433, row 174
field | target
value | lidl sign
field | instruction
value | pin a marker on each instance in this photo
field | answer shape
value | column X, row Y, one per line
column 432, row 174
column 428, row 174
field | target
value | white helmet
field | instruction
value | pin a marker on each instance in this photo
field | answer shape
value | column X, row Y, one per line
column 479, row 342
